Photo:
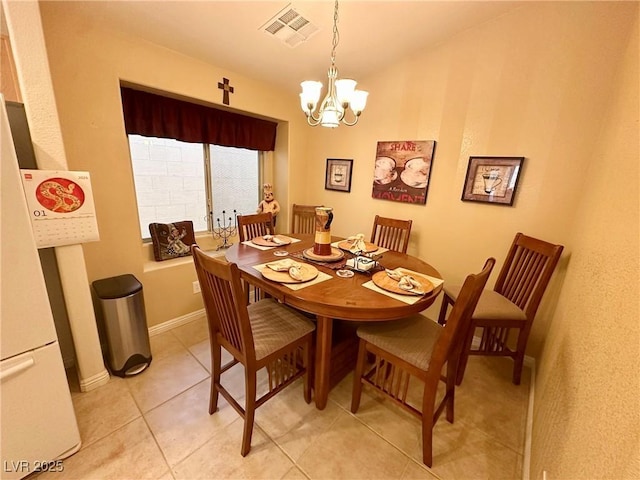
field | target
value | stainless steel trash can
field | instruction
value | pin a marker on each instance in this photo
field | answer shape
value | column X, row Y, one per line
column 125, row 324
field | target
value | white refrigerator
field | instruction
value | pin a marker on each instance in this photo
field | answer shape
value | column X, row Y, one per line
column 37, row 421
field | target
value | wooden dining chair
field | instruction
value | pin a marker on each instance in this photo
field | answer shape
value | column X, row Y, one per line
column 512, row 304
column 303, row 218
column 391, row 233
column 249, row 227
column 255, row 225
column 417, row 347
column 266, row 334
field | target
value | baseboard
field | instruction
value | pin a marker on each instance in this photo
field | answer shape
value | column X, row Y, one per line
column 176, row 322
column 526, row 461
column 88, row 384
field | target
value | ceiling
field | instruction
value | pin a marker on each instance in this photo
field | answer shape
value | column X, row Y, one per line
column 373, row 34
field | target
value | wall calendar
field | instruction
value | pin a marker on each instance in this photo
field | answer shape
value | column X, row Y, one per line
column 60, row 206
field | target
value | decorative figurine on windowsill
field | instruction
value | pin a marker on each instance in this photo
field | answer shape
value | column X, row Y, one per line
column 269, row 204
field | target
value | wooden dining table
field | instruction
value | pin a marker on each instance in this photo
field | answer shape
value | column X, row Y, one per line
column 335, row 299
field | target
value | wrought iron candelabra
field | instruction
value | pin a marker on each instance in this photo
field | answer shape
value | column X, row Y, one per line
column 226, row 230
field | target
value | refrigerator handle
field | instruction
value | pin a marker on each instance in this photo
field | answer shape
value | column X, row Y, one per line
column 15, row 369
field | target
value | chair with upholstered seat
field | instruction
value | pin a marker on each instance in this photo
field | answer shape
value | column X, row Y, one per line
column 391, row 233
column 255, row 225
column 303, row 218
column 265, row 334
column 512, row 304
column 417, row 347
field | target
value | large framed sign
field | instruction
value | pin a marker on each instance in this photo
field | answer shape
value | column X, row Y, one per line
column 60, row 206
column 402, row 170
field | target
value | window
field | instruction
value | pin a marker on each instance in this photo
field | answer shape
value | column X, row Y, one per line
column 172, row 182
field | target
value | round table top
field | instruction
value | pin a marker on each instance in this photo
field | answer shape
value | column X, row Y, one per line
column 339, row 298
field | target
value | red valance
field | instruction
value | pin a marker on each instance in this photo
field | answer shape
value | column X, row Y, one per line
column 154, row 115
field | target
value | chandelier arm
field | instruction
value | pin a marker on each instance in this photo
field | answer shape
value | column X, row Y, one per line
column 350, row 124
column 312, row 119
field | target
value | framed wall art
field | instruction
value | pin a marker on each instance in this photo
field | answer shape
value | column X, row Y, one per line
column 492, row 179
column 402, row 170
column 338, row 174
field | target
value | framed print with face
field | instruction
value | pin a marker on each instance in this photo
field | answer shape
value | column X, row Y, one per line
column 338, row 174
column 492, row 179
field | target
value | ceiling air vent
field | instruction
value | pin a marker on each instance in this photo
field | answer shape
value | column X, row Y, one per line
column 290, row 27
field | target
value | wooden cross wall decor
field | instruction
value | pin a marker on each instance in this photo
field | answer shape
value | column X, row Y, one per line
column 226, row 90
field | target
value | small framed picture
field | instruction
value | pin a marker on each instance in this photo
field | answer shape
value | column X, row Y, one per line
column 492, row 179
column 338, row 176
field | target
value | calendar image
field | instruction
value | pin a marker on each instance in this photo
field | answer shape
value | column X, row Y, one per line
column 60, row 195
column 60, row 206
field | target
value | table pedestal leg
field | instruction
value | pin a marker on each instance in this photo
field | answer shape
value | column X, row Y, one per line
column 324, row 327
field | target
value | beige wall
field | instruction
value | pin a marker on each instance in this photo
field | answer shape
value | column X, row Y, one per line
column 587, row 408
column 537, row 83
column 87, row 65
column 533, row 83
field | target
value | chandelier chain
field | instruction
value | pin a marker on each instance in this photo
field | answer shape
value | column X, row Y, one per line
column 336, row 35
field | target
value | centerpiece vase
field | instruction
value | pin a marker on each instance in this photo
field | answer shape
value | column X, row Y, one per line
column 322, row 244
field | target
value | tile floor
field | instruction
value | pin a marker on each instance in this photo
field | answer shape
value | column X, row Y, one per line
column 156, row 425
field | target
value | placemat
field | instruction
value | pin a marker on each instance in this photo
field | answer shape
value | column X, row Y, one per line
column 297, row 286
column 403, row 298
column 249, row 243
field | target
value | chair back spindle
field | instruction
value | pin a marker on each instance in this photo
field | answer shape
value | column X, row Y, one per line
column 256, row 225
column 303, row 218
column 391, row 233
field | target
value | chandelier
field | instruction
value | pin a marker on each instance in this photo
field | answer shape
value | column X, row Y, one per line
column 341, row 94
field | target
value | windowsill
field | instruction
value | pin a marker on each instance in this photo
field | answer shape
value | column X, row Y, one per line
column 205, row 242
column 176, row 262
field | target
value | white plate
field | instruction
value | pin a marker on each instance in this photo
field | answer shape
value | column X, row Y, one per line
column 345, row 273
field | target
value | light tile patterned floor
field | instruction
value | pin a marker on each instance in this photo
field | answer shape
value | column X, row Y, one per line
column 157, row 425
